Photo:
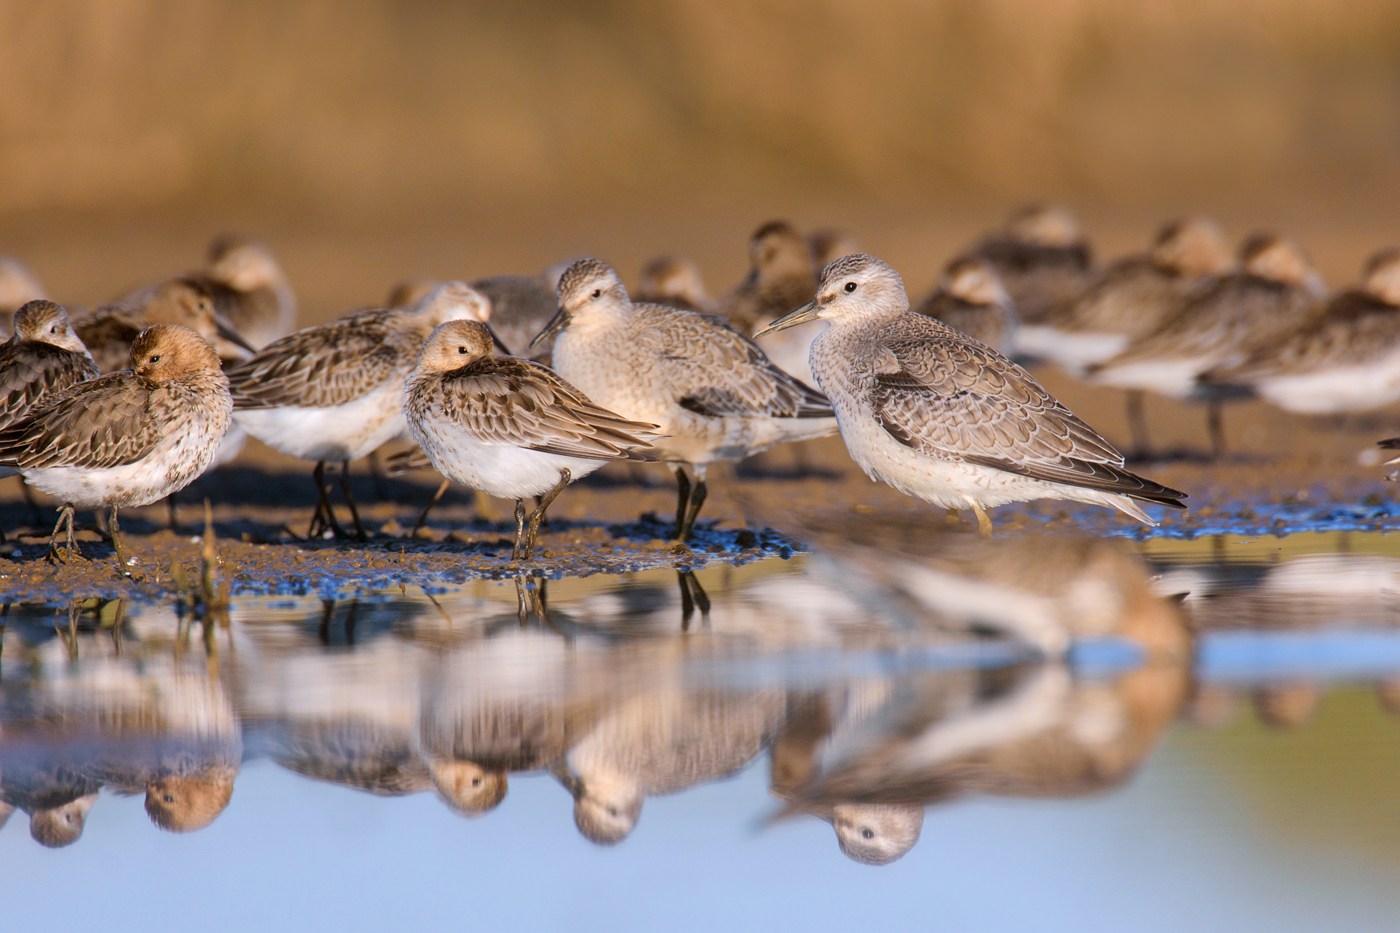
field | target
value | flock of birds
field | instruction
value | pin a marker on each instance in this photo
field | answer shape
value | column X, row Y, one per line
column 518, row 385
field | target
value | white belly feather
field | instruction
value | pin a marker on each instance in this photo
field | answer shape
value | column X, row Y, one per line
column 342, row 432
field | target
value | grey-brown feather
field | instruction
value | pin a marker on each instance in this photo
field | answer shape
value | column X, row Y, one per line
column 103, row 423
column 31, row 371
column 508, row 401
column 951, row 398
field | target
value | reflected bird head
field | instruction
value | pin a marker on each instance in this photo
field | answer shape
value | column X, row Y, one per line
column 466, row 787
column 56, row 827
column 606, row 814
column 184, row 803
column 876, row 833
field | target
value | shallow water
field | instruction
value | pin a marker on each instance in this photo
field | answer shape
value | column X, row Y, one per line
column 1058, row 732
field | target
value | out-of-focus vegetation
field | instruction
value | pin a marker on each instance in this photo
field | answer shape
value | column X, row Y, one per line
column 380, row 106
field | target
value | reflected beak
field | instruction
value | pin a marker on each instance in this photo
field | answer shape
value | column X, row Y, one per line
column 226, row 332
column 802, row 315
column 497, row 341
column 555, row 325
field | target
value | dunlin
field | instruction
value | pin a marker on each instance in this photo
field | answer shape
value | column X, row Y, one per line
column 109, row 331
column 128, row 438
column 249, row 289
column 335, row 391
column 509, row 427
column 1129, row 299
column 1042, row 256
column 1273, row 293
column 711, row 391
column 781, row 277
column 1346, row 358
column 970, row 299
column 944, row 418
column 674, row 281
column 18, row 287
column 521, row 305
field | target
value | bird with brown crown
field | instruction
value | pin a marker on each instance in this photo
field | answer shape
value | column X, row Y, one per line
column 970, row 299
column 1042, row 257
column 781, row 276
column 127, row 438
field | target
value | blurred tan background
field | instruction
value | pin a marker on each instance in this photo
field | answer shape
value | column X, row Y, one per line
column 370, row 140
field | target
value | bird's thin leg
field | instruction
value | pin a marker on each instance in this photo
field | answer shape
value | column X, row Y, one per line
column 984, row 524
column 538, row 515
column 1215, row 422
column 423, row 519
column 116, row 532
column 170, row 517
column 682, row 500
column 34, row 513
column 349, row 500
column 328, row 513
column 376, row 472
column 1137, row 424
column 697, row 499
column 519, row 548
column 65, row 513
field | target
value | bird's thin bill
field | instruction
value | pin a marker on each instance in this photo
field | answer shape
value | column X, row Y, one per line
column 500, row 344
column 226, row 332
column 802, row 315
column 556, row 323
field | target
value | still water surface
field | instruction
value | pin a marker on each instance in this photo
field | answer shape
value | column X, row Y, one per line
column 959, row 734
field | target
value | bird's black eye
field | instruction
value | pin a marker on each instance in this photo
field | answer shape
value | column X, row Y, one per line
column 169, row 799
column 612, row 811
column 55, row 329
column 462, row 350
column 156, row 358
column 476, row 782
column 867, row 833
column 597, row 293
column 850, row 287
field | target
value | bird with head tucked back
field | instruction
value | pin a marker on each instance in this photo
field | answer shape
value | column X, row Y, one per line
column 971, row 299
column 1042, row 257
column 782, row 275
column 674, row 281
column 109, row 331
column 509, row 427
column 940, row 416
column 335, row 391
column 249, row 288
column 128, row 438
column 711, row 391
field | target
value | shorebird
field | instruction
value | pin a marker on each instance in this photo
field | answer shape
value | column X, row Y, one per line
column 781, row 277
column 1127, row 300
column 249, row 289
column 970, row 299
column 42, row 358
column 1042, row 257
column 109, row 331
column 127, row 438
column 521, row 305
column 674, row 281
column 710, row 390
column 944, row 418
column 1274, row 292
column 1346, row 358
column 335, row 391
column 509, row 427
column 18, row 287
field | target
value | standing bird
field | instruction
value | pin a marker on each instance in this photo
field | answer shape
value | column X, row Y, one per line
column 1042, row 256
column 521, row 305
column 335, row 391
column 970, row 299
column 1346, row 358
column 128, row 438
column 110, row 330
column 674, row 281
column 781, row 276
column 1129, row 299
column 18, row 287
column 710, row 390
column 44, row 357
column 509, row 427
column 1275, row 291
column 944, row 418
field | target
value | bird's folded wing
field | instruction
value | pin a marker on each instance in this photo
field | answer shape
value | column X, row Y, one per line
column 319, row 367
column 99, row 424
column 716, row 371
column 30, row 372
column 523, row 404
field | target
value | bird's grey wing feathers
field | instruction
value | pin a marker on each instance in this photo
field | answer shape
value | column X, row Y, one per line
column 953, row 399
column 31, row 371
column 521, row 403
column 105, row 422
column 716, row 371
column 320, row 367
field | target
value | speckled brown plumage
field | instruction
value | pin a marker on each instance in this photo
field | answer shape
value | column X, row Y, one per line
column 32, row 367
